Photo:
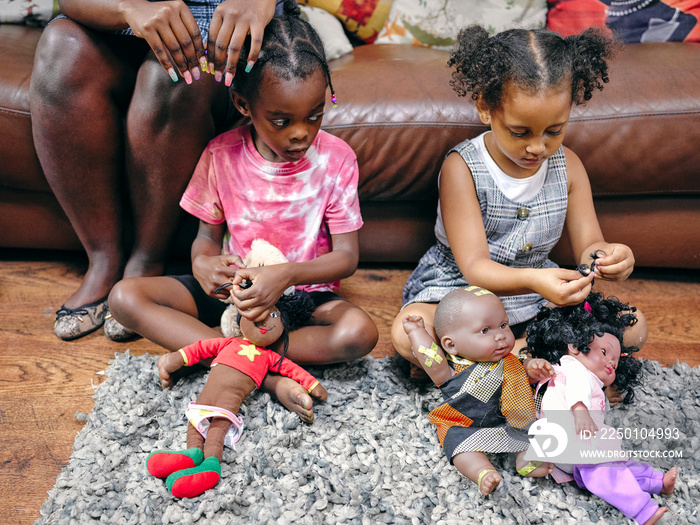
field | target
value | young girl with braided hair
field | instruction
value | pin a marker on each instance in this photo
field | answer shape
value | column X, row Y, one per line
column 584, row 342
column 506, row 196
column 281, row 179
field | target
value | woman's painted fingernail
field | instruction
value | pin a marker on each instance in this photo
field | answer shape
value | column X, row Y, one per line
column 195, row 73
column 172, row 74
column 203, row 64
column 217, row 76
column 229, row 79
column 188, row 77
column 249, row 66
column 211, row 67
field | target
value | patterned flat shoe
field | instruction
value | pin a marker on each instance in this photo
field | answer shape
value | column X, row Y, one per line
column 72, row 323
column 116, row 331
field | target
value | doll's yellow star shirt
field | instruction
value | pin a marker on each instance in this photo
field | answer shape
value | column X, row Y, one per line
column 254, row 361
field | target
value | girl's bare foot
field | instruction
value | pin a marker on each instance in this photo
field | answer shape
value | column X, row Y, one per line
column 657, row 515
column 669, row 482
column 292, row 395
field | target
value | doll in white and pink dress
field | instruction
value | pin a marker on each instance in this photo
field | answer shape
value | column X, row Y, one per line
column 585, row 345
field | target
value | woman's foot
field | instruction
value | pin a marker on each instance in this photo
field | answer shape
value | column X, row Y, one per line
column 116, row 331
column 292, row 395
column 669, row 482
column 72, row 323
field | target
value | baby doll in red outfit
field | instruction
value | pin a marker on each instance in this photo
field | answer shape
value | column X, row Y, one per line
column 238, row 368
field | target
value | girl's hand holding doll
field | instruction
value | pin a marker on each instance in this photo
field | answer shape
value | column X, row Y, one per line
column 560, row 286
column 268, row 285
column 613, row 262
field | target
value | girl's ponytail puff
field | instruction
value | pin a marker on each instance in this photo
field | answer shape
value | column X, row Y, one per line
column 291, row 8
column 590, row 52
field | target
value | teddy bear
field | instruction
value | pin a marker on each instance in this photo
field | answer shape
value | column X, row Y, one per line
column 261, row 253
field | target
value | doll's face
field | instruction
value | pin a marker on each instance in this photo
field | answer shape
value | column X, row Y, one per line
column 265, row 332
column 482, row 332
column 602, row 358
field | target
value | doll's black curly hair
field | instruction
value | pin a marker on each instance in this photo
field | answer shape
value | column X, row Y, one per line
column 553, row 329
column 532, row 59
column 290, row 47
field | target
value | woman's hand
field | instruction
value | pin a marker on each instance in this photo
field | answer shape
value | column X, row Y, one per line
column 172, row 32
column 268, row 285
column 616, row 264
column 233, row 20
column 562, row 287
column 212, row 272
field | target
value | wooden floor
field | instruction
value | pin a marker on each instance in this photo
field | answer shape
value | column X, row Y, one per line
column 45, row 381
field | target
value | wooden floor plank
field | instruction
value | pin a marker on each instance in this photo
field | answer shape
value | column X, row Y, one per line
column 45, row 381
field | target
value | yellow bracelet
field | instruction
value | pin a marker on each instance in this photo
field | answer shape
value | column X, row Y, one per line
column 184, row 357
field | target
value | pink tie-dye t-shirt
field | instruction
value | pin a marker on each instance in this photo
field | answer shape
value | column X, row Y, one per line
column 293, row 205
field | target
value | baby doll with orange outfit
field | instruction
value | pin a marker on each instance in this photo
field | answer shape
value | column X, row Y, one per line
column 585, row 344
column 239, row 367
column 488, row 403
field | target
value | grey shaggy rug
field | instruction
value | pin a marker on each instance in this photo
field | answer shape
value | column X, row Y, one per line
column 370, row 457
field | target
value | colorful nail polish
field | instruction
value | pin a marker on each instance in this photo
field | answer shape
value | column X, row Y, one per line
column 172, row 74
column 229, row 79
column 249, row 66
column 217, row 76
column 203, row 64
column 195, row 73
column 211, row 67
column 188, row 77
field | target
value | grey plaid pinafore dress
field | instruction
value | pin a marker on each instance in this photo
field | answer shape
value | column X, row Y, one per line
column 519, row 234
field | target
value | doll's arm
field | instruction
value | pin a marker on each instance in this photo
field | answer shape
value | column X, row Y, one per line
column 204, row 349
column 582, row 419
column 538, row 369
column 292, row 370
column 430, row 356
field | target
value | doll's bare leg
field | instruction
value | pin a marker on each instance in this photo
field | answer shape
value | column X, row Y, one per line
column 475, row 465
column 657, row 516
column 669, row 482
column 539, row 471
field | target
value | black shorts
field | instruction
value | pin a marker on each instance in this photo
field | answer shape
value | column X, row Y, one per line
column 210, row 309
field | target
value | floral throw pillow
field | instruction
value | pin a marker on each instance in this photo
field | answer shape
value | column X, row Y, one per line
column 361, row 18
column 436, row 23
column 632, row 21
column 30, row 12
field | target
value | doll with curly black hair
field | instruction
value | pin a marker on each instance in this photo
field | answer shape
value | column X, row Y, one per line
column 507, row 195
column 239, row 366
column 584, row 342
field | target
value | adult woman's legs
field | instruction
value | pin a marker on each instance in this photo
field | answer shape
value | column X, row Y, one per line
column 80, row 83
column 168, row 125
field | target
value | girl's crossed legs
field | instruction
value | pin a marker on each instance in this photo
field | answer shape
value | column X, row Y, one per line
column 163, row 310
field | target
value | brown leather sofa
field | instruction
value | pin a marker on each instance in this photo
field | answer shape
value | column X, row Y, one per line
column 639, row 140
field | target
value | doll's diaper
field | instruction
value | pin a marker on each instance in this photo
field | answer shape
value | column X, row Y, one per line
column 199, row 416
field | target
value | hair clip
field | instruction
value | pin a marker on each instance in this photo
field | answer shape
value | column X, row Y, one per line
column 334, row 100
column 624, row 354
column 587, row 306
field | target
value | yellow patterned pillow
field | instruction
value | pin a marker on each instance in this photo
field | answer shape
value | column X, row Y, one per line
column 362, row 18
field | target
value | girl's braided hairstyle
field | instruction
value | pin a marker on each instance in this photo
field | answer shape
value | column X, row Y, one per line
column 553, row 329
column 533, row 59
column 290, row 47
